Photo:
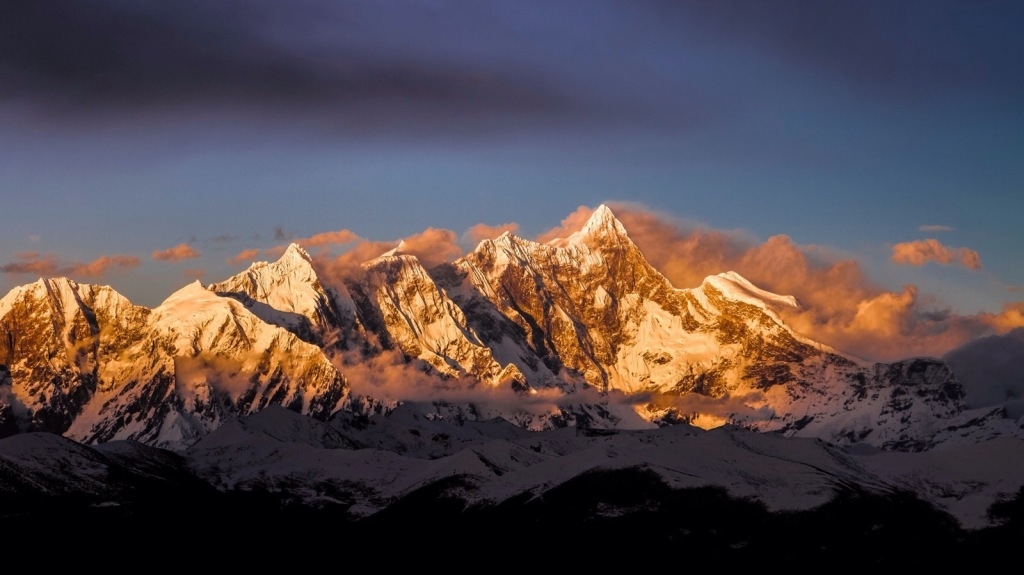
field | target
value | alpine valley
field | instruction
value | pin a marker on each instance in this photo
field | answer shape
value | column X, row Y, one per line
column 530, row 391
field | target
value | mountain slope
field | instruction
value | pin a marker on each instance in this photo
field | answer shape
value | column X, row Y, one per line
column 55, row 335
column 408, row 311
column 201, row 360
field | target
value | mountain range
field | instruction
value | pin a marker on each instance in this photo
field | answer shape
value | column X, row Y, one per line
column 580, row 331
column 515, row 368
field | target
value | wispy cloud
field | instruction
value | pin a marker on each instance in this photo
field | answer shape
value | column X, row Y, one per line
column 49, row 265
column 319, row 240
column 244, row 256
column 921, row 252
column 175, row 254
column 935, row 229
column 432, row 246
column 390, row 376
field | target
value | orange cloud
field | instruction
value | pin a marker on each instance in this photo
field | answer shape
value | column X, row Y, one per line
column 339, row 237
column 338, row 269
column 177, row 253
column 33, row 263
column 572, row 223
column 432, row 246
column 320, row 240
column 100, row 265
column 1012, row 316
column 481, row 232
column 193, row 273
column 920, row 252
column 49, row 266
column 244, row 256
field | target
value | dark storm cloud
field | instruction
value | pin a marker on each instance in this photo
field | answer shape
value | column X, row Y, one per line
column 903, row 49
column 70, row 60
column 992, row 370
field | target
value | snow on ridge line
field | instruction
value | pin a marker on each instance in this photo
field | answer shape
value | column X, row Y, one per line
column 740, row 288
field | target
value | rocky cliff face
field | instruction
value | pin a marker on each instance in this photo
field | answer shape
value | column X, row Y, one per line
column 405, row 307
column 55, row 335
column 584, row 317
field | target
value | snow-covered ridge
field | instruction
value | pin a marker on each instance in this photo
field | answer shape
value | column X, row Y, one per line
column 737, row 287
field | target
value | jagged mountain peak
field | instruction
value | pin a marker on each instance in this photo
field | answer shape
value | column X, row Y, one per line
column 601, row 227
column 288, row 293
column 294, row 263
column 295, row 254
column 603, row 220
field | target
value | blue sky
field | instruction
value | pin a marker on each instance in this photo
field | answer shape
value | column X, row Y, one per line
column 130, row 127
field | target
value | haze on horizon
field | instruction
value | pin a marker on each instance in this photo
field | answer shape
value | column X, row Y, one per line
column 863, row 157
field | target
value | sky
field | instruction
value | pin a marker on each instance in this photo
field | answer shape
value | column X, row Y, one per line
column 867, row 157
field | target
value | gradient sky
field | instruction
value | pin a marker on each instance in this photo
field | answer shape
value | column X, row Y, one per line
column 144, row 143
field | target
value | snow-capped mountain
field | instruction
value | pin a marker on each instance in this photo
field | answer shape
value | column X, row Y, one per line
column 85, row 362
column 584, row 320
column 287, row 293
